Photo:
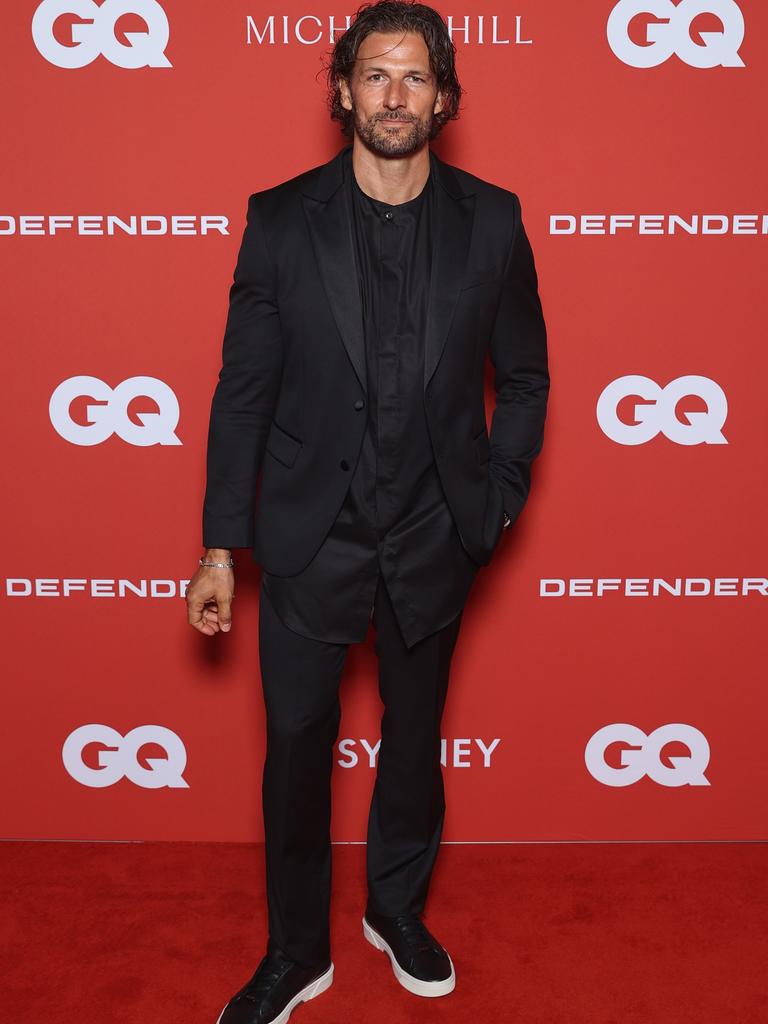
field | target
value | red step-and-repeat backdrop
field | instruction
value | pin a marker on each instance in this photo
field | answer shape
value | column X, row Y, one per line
column 609, row 679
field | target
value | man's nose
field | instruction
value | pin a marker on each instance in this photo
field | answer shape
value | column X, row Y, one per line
column 395, row 97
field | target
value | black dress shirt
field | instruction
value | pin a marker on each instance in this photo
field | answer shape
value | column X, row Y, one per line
column 394, row 519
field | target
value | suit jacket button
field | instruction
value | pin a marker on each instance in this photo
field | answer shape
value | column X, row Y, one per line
column 344, row 464
column 359, row 404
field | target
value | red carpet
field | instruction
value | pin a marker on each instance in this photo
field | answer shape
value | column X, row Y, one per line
column 160, row 933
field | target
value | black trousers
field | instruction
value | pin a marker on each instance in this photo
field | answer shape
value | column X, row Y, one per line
column 300, row 678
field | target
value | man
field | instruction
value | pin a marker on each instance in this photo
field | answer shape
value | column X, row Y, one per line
column 366, row 295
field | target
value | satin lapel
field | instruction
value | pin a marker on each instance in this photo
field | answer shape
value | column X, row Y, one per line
column 451, row 230
column 329, row 218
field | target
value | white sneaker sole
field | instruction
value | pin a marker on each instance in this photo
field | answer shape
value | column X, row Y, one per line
column 304, row 995
column 415, row 985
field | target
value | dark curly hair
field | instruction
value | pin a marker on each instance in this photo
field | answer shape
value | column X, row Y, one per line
column 396, row 16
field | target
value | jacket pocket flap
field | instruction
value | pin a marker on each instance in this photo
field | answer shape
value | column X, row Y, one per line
column 283, row 446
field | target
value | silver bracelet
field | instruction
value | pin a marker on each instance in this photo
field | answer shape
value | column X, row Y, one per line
column 219, row 565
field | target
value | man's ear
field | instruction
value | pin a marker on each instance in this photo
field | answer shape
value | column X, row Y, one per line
column 438, row 103
column 346, row 100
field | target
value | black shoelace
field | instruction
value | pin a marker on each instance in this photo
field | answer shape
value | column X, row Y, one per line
column 269, row 971
column 415, row 934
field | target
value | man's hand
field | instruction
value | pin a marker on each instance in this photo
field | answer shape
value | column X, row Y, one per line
column 210, row 594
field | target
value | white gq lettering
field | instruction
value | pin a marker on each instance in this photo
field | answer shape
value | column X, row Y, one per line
column 95, row 34
column 657, row 413
column 672, row 33
column 645, row 759
column 122, row 759
column 112, row 416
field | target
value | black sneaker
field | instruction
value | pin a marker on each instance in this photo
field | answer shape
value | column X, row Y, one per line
column 278, row 985
column 418, row 960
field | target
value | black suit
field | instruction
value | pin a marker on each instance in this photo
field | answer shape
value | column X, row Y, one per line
column 293, row 402
column 294, row 367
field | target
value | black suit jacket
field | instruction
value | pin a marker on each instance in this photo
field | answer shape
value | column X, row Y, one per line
column 289, row 406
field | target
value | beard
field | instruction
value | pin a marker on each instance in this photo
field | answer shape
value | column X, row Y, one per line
column 385, row 141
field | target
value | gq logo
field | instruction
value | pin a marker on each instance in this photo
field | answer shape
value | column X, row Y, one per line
column 644, row 755
column 672, row 33
column 121, row 760
column 95, row 33
column 657, row 412
column 111, row 417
